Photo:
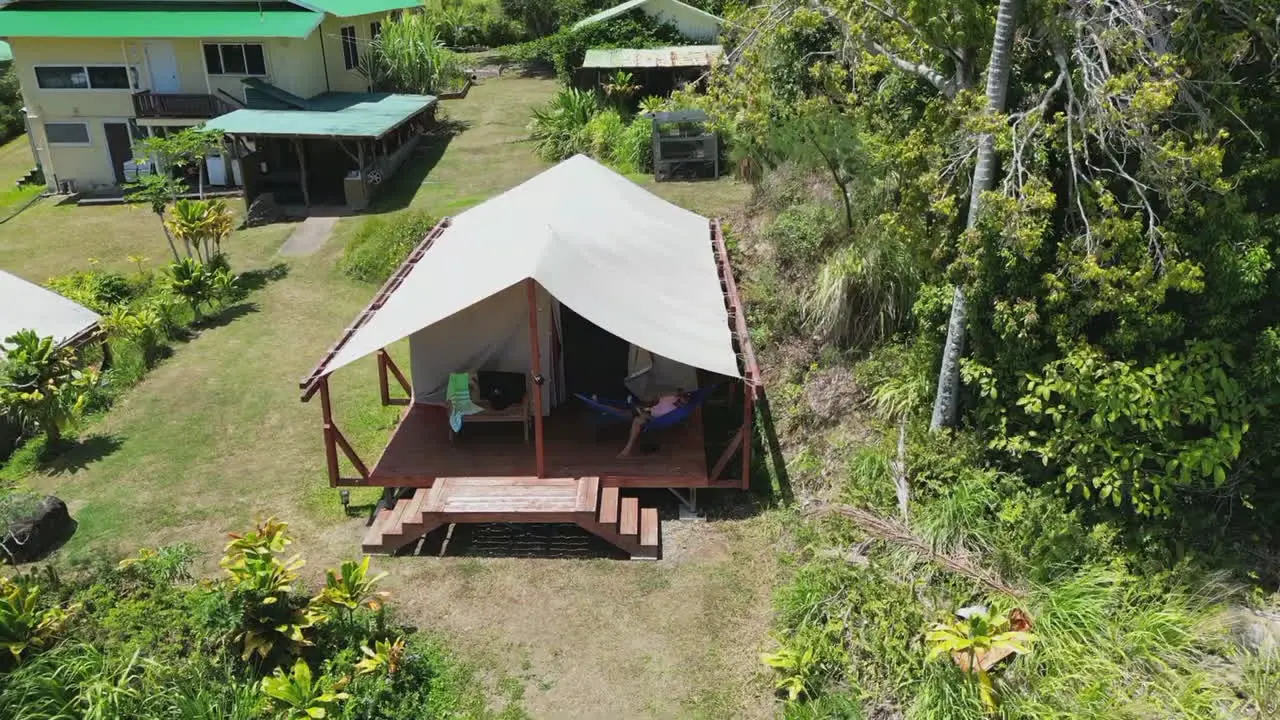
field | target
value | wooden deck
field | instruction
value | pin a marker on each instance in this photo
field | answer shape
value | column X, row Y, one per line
column 420, row 451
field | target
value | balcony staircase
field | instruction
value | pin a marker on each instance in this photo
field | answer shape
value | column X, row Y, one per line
column 602, row 511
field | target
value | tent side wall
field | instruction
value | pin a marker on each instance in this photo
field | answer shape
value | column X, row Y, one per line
column 492, row 334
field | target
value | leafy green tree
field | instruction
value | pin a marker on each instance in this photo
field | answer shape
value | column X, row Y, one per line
column 42, row 386
column 156, row 192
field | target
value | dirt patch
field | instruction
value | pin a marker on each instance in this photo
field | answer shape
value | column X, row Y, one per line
column 612, row 639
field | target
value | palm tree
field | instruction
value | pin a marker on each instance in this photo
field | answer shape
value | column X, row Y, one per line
column 984, row 171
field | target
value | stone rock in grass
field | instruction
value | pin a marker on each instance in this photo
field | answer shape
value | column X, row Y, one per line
column 38, row 534
column 1255, row 631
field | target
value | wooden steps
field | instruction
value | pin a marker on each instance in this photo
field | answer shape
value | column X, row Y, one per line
column 580, row 501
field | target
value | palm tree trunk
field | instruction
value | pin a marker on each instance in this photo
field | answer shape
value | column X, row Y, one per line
column 945, row 401
column 167, row 236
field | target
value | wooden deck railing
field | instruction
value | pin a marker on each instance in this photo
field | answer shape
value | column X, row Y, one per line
column 147, row 104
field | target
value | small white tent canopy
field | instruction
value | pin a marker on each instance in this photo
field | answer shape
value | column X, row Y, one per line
column 619, row 256
column 25, row 305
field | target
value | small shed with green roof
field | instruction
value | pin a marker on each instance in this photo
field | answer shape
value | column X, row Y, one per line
column 334, row 146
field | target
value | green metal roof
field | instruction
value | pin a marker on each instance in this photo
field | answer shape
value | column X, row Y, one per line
column 342, row 115
column 672, row 57
column 630, row 5
column 347, row 8
column 122, row 19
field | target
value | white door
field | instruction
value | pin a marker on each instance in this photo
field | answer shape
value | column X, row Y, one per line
column 163, row 62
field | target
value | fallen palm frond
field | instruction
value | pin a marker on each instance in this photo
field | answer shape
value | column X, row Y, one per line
column 959, row 560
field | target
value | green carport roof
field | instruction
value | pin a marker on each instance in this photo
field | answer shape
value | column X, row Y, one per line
column 332, row 115
column 347, row 8
column 122, row 19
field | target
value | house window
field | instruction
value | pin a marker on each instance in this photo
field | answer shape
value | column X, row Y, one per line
column 59, row 133
column 350, row 53
column 85, row 77
column 375, row 29
column 235, row 59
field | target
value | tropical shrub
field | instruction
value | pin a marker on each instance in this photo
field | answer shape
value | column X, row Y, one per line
column 24, row 622
column 565, row 49
column 382, row 243
column 604, row 132
column 144, row 641
column 201, row 284
column 802, row 233
column 201, row 226
column 560, row 128
column 42, row 386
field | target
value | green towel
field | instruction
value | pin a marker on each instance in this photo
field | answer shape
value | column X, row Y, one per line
column 459, row 397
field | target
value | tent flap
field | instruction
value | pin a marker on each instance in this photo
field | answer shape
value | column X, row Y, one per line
column 619, row 256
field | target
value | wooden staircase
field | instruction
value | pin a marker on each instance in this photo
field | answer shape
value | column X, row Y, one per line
column 601, row 511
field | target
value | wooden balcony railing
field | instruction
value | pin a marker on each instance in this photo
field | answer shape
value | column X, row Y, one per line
column 147, row 104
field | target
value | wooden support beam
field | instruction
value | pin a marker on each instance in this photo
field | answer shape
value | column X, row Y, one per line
column 364, row 178
column 535, row 366
column 302, row 171
column 351, row 454
column 727, row 455
column 748, row 412
column 330, row 442
column 399, row 376
column 387, row 365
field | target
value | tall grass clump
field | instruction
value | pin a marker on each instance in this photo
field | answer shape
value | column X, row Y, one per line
column 382, row 243
column 561, row 128
column 410, row 57
column 864, row 292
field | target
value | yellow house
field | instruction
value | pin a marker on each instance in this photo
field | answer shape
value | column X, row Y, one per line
column 96, row 76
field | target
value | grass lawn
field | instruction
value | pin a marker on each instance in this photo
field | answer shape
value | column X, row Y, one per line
column 215, row 437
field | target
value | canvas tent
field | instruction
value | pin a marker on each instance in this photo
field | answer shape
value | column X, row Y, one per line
column 579, row 236
column 25, row 305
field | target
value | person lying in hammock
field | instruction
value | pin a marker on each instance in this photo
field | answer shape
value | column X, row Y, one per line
column 643, row 413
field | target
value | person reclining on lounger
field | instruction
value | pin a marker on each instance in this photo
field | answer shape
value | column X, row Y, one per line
column 647, row 411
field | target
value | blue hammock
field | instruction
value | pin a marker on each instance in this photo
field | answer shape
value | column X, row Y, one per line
column 617, row 411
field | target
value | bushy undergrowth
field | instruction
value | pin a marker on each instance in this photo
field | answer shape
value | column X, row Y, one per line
column 143, row 313
column 142, row 640
column 382, row 243
column 578, row 121
column 565, row 49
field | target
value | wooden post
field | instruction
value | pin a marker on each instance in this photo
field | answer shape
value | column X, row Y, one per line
column 302, row 171
column 535, row 365
column 364, row 181
column 330, row 442
column 383, row 387
column 748, row 416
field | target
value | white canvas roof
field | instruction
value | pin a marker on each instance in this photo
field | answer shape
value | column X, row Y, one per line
column 25, row 305
column 621, row 257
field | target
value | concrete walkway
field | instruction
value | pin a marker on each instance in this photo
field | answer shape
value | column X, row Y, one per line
column 310, row 235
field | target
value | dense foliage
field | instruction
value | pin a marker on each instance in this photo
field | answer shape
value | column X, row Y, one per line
column 141, row 640
column 382, row 243
column 11, row 120
column 409, row 56
column 565, row 49
column 1113, row 468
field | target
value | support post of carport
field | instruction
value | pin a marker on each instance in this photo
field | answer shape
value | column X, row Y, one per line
column 535, row 368
column 364, row 180
column 302, row 171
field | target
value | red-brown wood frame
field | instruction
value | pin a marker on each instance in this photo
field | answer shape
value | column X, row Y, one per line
column 747, row 354
column 385, row 363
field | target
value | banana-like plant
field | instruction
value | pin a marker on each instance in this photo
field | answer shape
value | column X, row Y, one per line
column 301, row 696
column 201, row 225
column 272, row 618
column 352, row 586
column 979, row 641
column 41, row 385
column 23, row 625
